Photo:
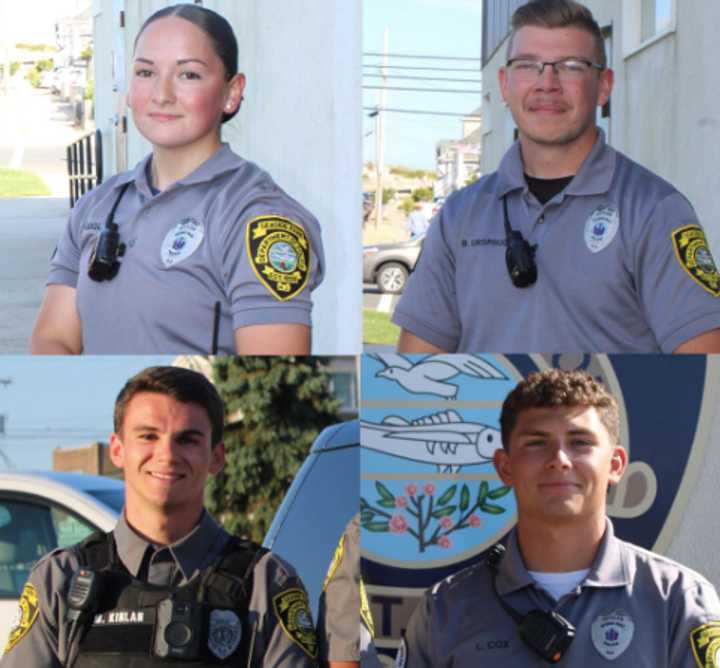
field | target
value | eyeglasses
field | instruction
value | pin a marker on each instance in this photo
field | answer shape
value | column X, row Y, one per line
column 567, row 69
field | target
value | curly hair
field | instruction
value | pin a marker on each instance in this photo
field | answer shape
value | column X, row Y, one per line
column 558, row 14
column 555, row 387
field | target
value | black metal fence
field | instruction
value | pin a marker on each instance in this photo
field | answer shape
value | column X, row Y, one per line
column 85, row 165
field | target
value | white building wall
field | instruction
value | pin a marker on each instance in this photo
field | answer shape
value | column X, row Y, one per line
column 300, row 121
column 665, row 104
column 693, row 538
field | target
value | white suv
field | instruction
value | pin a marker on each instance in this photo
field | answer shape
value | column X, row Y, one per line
column 40, row 511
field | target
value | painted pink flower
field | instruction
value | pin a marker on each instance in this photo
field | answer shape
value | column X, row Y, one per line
column 400, row 502
column 446, row 522
column 411, row 490
column 398, row 524
column 429, row 489
column 444, row 542
column 474, row 521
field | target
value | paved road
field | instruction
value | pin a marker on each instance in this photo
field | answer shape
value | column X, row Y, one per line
column 29, row 230
column 35, row 128
column 375, row 300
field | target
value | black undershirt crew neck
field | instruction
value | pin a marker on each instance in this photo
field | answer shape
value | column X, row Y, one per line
column 546, row 189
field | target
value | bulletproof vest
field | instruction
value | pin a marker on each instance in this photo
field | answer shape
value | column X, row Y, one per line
column 123, row 631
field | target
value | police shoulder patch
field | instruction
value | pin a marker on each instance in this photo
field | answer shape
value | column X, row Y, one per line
column 336, row 561
column 705, row 643
column 292, row 610
column 279, row 253
column 365, row 614
column 26, row 615
column 693, row 254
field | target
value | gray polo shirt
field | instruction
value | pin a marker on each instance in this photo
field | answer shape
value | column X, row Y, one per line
column 225, row 234
column 623, row 265
column 42, row 644
column 634, row 608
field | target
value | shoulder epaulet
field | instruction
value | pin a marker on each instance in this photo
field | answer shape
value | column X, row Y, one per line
column 96, row 551
column 234, row 569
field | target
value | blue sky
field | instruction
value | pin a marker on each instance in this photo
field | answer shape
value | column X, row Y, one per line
column 427, row 27
column 60, row 402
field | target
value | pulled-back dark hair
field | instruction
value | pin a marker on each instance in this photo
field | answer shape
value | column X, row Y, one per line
column 182, row 385
column 216, row 27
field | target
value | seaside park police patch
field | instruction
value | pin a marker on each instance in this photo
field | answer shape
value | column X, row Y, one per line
column 292, row 610
column 693, row 254
column 279, row 254
column 336, row 561
column 705, row 643
column 601, row 227
column 27, row 612
column 181, row 241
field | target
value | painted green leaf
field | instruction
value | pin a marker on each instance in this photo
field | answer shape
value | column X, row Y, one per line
column 499, row 492
column 464, row 498
column 443, row 512
column 386, row 503
column 377, row 527
column 449, row 493
column 492, row 509
column 383, row 491
column 482, row 494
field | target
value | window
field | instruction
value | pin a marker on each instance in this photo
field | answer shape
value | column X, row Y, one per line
column 656, row 18
column 645, row 22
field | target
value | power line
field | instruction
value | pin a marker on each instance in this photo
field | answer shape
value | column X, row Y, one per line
column 421, row 90
column 417, row 67
column 405, row 76
column 423, row 57
column 429, row 113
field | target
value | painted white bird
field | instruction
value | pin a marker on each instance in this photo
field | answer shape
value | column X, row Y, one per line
column 430, row 374
column 444, row 439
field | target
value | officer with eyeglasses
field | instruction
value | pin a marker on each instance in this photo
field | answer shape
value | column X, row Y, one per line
column 569, row 245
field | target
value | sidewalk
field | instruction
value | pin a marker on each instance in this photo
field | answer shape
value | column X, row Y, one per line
column 29, row 230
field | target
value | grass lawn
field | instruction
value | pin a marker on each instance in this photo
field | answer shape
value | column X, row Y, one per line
column 18, row 183
column 377, row 328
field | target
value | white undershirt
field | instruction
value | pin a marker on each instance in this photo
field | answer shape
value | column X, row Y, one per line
column 559, row 584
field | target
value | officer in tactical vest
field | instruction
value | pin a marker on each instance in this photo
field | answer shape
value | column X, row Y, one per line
column 168, row 586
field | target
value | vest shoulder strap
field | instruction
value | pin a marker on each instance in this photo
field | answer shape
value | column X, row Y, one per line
column 233, row 572
column 97, row 551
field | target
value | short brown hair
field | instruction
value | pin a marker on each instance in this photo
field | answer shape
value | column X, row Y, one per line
column 558, row 14
column 182, row 385
column 555, row 387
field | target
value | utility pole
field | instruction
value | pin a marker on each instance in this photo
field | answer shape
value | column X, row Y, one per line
column 380, row 134
column 5, row 382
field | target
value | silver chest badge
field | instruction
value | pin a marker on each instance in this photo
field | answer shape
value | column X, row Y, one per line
column 612, row 633
column 181, row 241
column 225, row 633
column 601, row 227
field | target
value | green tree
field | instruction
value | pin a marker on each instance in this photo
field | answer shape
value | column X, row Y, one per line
column 281, row 405
column 422, row 194
column 407, row 205
column 388, row 194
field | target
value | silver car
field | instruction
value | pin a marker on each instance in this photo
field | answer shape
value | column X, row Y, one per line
column 389, row 265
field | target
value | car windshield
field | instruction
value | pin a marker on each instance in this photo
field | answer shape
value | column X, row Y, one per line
column 113, row 498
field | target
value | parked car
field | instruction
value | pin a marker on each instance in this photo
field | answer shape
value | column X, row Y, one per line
column 43, row 510
column 389, row 265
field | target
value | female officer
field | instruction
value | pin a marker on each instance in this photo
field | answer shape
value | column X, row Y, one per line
column 196, row 249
